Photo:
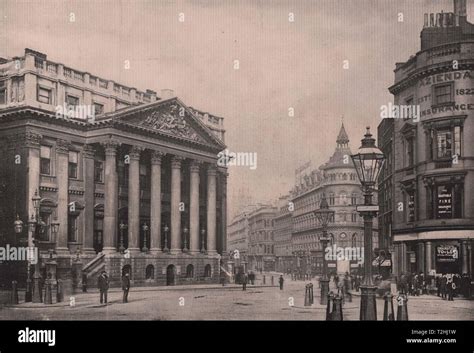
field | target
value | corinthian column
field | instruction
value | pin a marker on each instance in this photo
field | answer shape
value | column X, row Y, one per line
column 88, row 235
column 134, row 199
column 194, row 208
column 62, row 161
column 111, row 196
column 175, row 200
column 211, row 210
column 155, row 205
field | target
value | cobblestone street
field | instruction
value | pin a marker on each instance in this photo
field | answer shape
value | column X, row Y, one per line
column 223, row 303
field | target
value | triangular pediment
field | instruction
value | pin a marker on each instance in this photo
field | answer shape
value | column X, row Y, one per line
column 171, row 118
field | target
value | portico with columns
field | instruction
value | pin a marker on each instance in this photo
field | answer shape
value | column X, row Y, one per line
column 151, row 194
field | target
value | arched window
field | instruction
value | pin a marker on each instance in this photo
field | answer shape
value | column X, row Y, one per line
column 150, row 272
column 207, row 271
column 354, row 240
column 189, row 271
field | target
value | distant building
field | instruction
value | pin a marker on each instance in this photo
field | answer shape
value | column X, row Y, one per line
column 337, row 179
column 282, row 230
column 428, row 185
column 261, row 254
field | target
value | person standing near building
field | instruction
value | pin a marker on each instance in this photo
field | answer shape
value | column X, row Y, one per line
column 103, row 284
column 125, row 286
column 244, row 281
column 444, row 281
column 450, row 286
column 281, row 280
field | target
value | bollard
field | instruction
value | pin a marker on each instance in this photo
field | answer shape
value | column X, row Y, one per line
column 263, row 279
column 337, row 309
column 307, row 299
column 59, row 292
column 311, row 294
column 402, row 310
column 14, row 294
column 388, row 306
column 48, row 296
column 329, row 307
column 28, row 291
column 272, row 280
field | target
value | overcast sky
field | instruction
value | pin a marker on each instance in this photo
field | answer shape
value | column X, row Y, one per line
column 282, row 64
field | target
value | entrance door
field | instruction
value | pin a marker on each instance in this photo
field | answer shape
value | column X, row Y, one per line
column 170, row 275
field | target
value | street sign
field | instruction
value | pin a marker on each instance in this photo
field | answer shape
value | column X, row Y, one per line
column 369, row 208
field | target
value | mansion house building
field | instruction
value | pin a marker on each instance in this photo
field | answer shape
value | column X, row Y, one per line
column 133, row 183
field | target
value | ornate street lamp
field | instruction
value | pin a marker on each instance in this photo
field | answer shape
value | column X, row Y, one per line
column 122, row 227
column 324, row 215
column 185, row 235
column 145, row 234
column 18, row 225
column 31, row 231
column 368, row 163
column 166, row 230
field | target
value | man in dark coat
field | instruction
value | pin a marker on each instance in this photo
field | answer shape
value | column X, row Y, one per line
column 244, row 281
column 103, row 285
column 450, row 286
column 281, row 280
column 443, row 286
column 125, row 286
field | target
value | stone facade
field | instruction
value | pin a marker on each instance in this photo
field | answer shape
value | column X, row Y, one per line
column 432, row 178
column 131, row 179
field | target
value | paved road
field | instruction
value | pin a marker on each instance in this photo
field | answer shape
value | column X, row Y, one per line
column 229, row 303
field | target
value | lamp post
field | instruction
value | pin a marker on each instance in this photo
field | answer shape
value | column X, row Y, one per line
column 122, row 227
column 165, row 231
column 145, row 234
column 368, row 163
column 324, row 214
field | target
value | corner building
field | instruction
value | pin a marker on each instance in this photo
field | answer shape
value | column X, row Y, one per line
column 137, row 188
column 430, row 183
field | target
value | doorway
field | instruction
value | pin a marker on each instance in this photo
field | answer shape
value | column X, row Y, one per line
column 170, row 275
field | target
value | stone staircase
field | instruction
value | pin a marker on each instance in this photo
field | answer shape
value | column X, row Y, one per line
column 93, row 267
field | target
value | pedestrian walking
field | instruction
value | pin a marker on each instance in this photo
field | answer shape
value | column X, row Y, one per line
column 444, row 281
column 244, row 281
column 281, row 280
column 450, row 287
column 125, row 286
column 103, row 284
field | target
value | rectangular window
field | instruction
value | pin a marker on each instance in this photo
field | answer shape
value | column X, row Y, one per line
column 72, row 101
column 331, row 199
column 410, row 152
column 98, row 171
column 444, row 140
column 45, row 160
column 44, row 95
column 143, row 177
column 3, row 93
column 98, row 108
column 354, row 199
column 443, row 94
column 354, row 217
column 410, row 205
column 72, row 167
column 72, row 228
column 447, row 201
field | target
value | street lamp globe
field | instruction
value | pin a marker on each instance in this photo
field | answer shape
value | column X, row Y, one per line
column 324, row 214
column 36, row 200
column 18, row 225
column 368, row 161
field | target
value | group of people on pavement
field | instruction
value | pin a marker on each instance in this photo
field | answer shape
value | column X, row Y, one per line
column 103, row 285
column 448, row 285
column 246, row 278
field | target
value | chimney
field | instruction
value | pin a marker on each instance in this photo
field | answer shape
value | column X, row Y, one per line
column 167, row 93
column 460, row 8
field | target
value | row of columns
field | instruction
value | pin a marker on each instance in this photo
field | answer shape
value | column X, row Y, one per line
column 111, row 202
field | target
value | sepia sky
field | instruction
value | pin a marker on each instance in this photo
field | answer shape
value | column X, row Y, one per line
column 282, row 64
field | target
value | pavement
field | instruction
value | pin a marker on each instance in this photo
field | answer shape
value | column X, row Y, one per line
column 214, row 302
